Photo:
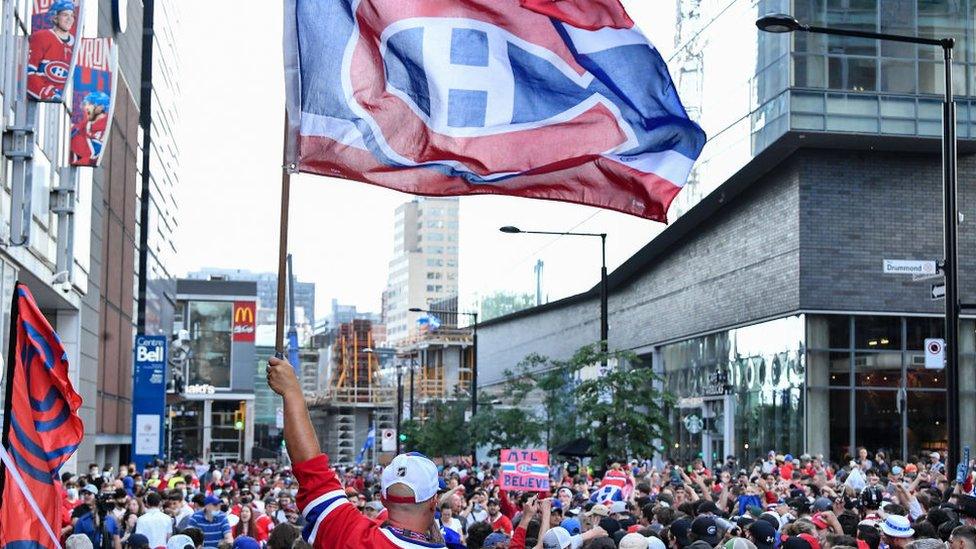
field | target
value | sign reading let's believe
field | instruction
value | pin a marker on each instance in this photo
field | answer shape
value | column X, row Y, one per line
column 524, row 470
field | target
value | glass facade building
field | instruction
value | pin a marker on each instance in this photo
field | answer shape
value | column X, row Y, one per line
column 814, row 381
column 748, row 89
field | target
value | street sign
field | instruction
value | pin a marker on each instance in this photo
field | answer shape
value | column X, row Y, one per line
column 924, row 277
column 388, row 440
column 909, row 266
column 934, row 354
column 938, row 291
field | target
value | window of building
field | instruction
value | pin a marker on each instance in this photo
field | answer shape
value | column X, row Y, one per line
column 211, row 331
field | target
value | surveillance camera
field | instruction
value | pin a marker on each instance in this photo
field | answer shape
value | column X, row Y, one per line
column 65, row 286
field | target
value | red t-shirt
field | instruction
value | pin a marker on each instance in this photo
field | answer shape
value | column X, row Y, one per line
column 502, row 524
column 332, row 522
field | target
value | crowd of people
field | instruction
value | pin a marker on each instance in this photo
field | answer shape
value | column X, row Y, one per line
column 780, row 502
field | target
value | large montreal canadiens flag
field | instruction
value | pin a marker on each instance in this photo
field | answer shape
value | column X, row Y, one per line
column 554, row 99
column 40, row 432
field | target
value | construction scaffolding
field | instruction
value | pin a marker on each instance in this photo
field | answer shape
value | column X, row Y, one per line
column 354, row 370
column 442, row 361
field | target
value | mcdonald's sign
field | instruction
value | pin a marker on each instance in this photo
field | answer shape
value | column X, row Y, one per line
column 244, row 312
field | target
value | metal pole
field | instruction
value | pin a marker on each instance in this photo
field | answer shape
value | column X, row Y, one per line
column 604, row 320
column 474, row 383
column 283, row 251
column 411, row 388
column 951, row 264
column 399, row 414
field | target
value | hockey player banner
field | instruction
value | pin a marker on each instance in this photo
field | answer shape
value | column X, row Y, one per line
column 55, row 33
column 41, row 428
column 503, row 97
column 93, row 100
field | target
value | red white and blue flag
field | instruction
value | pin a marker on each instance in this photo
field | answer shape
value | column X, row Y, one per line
column 41, row 430
column 615, row 486
column 559, row 100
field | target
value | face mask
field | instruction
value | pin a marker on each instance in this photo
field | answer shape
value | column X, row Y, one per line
column 72, row 493
column 217, row 492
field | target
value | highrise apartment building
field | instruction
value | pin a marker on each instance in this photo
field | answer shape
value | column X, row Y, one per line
column 424, row 267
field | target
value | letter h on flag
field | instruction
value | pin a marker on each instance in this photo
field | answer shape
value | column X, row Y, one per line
column 560, row 100
column 41, row 429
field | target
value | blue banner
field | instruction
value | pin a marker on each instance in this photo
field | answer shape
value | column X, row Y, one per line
column 148, row 399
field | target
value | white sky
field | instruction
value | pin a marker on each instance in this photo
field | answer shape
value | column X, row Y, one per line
column 342, row 231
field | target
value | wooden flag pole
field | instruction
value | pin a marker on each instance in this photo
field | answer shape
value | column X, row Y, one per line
column 286, row 169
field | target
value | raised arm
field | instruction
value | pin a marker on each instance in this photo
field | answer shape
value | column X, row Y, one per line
column 299, row 433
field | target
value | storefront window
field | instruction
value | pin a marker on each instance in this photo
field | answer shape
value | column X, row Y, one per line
column 211, row 331
column 753, row 375
column 894, row 394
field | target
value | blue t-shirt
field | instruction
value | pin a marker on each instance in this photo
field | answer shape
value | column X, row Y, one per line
column 213, row 530
column 86, row 526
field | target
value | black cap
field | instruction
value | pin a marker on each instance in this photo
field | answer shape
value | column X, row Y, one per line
column 679, row 531
column 763, row 534
column 705, row 529
column 707, row 506
column 795, row 542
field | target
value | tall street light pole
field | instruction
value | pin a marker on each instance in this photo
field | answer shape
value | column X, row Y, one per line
column 474, row 363
column 604, row 320
column 399, row 394
column 781, row 23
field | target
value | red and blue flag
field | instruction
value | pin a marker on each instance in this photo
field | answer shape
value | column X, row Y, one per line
column 561, row 100
column 41, row 429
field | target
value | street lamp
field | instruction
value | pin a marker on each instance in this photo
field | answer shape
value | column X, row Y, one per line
column 474, row 363
column 604, row 322
column 781, row 23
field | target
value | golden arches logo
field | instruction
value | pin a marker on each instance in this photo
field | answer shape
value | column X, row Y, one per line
column 244, row 315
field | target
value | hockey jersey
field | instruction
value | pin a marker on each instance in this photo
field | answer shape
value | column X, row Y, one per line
column 48, row 65
column 87, row 140
column 332, row 521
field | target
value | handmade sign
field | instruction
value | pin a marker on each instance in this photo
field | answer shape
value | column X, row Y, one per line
column 525, row 470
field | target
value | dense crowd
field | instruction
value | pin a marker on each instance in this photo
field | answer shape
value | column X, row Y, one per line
column 779, row 502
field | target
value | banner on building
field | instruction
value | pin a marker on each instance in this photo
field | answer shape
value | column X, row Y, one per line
column 524, row 470
column 41, row 429
column 244, row 323
column 444, row 98
column 93, row 100
column 55, row 34
column 148, row 399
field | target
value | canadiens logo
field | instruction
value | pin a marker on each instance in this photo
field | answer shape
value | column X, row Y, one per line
column 57, row 71
column 447, row 91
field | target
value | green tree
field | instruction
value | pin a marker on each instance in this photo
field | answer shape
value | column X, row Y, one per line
column 443, row 433
column 503, row 303
column 624, row 411
column 499, row 427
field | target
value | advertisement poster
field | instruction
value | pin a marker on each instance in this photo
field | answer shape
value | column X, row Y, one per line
column 148, row 398
column 524, row 470
column 244, row 312
column 55, row 33
column 148, row 434
column 92, row 100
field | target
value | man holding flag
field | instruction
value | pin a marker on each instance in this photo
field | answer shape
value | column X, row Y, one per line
column 41, row 429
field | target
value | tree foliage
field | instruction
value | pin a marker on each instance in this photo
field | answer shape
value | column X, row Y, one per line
column 503, row 303
column 622, row 413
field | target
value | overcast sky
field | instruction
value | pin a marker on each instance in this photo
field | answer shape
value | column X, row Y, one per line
column 342, row 231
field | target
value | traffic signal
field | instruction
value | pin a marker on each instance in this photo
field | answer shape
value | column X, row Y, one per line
column 240, row 416
column 403, row 437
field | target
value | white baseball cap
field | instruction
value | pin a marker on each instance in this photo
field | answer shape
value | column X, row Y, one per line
column 618, row 507
column 560, row 538
column 414, row 471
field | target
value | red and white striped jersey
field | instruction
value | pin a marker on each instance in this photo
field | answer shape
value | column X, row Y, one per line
column 332, row 522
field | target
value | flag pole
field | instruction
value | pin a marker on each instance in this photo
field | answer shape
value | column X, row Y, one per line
column 8, row 381
column 286, row 169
